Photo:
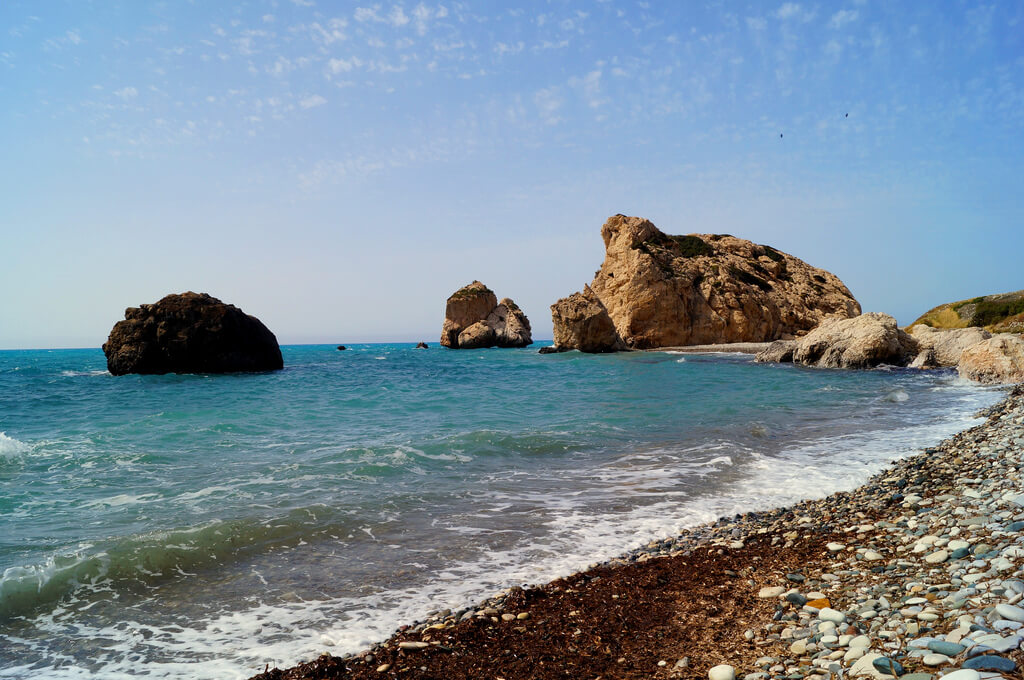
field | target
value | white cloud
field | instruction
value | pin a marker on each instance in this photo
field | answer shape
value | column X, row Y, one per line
column 268, row 18
column 312, row 101
column 344, row 65
column 397, row 17
column 280, row 67
column 788, row 10
column 842, row 17
column 502, row 49
column 756, row 23
column 127, row 93
column 303, row 3
column 73, row 37
column 590, row 86
column 332, row 32
column 549, row 102
column 364, row 14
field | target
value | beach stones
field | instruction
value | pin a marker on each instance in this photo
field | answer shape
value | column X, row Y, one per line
column 937, row 557
column 771, row 591
column 722, row 672
column 946, row 648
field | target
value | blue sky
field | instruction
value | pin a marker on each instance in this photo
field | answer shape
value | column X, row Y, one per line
column 338, row 169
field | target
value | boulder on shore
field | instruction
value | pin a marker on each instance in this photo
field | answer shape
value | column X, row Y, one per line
column 864, row 341
column 662, row 290
column 474, row 318
column 1000, row 359
column 943, row 347
column 190, row 333
column 582, row 322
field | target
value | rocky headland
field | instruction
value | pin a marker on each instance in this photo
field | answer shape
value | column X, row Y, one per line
column 190, row 333
column 661, row 290
column 474, row 318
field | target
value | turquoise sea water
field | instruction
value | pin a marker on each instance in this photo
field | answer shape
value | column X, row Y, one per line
column 203, row 526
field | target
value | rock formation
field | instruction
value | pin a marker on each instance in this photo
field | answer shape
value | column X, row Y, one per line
column 474, row 318
column 190, row 333
column 421, row 345
column 1000, row 359
column 582, row 322
column 861, row 342
column 944, row 347
column 662, row 290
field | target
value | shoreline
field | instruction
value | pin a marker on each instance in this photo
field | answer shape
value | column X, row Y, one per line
column 739, row 591
column 722, row 348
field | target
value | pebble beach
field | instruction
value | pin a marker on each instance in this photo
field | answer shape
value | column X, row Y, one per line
column 917, row 574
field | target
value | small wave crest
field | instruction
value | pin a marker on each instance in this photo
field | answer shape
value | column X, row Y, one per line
column 10, row 448
column 896, row 396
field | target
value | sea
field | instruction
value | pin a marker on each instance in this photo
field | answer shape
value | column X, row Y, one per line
column 204, row 526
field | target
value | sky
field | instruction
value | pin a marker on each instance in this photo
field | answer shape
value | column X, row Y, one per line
column 337, row 169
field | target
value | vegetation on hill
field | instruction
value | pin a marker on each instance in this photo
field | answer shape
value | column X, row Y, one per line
column 1001, row 313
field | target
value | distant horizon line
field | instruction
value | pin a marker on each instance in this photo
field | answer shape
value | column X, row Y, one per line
column 284, row 344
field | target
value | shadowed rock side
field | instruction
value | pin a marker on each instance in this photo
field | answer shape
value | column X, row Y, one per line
column 474, row 318
column 662, row 290
column 190, row 333
column 582, row 322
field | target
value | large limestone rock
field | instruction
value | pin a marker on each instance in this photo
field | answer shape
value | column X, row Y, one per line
column 662, row 290
column 474, row 318
column 582, row 322
column 190, row 333
column 940, row 347
column 1000, row 359
column 861, row 342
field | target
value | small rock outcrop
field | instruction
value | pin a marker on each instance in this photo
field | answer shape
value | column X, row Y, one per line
column 864, row 341
column 780, row 351
column 662, row 290
column 474, row 318
column 940, row 347
column 421, row 345
column 1000, row 359
column 582, row 322
column 190, row 333
column 342, row 348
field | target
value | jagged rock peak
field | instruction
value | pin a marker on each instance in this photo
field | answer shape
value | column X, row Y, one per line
column 662, row 290
column 474, row 318
column 190, row 333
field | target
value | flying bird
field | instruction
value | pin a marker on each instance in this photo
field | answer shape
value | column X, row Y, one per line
column 847, row 116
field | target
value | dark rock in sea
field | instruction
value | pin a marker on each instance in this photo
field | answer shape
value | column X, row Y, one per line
column 552, row 350
column 190, row 333
column 342, row 348
column 422, row 345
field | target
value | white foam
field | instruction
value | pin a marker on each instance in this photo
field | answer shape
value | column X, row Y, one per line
column 11, row 448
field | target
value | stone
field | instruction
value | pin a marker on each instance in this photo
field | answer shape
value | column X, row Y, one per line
column 778, row 352
column 937, row 557
column 863, row 341
column 1000, row 359
column 473, row 318
column 935, row 659
column 947, row 648
column 962, row 674
column 342, row 348
column 946, row 345
column 422, row 345
column 829, row 614
column 582, row 322
column 662, row 290
column 887, row 666
column 413, row 646
column 190, row 333
column 722, row 672
column 990, row 662
column 872, row 556
column 771, row 591
column 1010, row 612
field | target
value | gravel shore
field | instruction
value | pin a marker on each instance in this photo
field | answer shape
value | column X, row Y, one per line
column 917, row 574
